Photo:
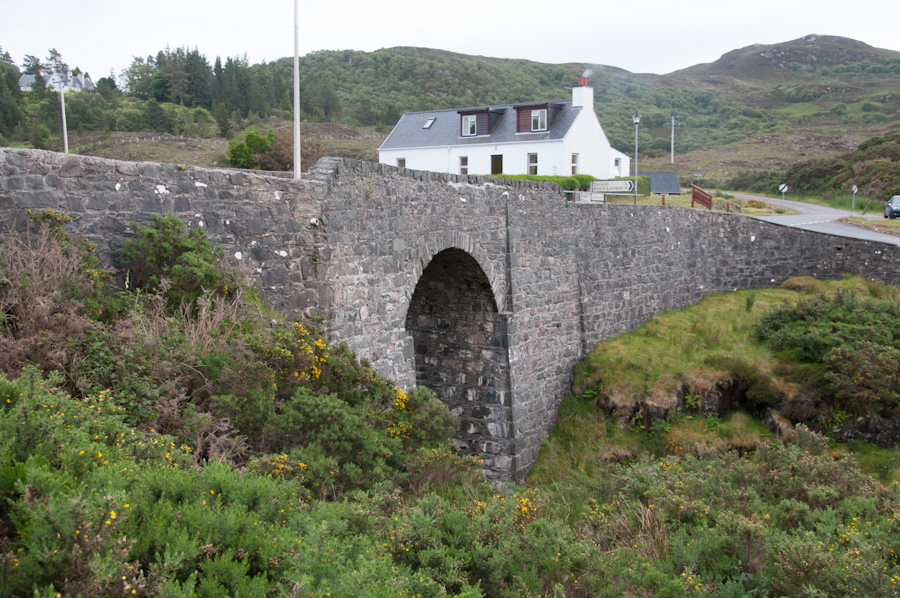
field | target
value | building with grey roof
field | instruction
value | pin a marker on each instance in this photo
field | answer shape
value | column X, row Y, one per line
column 66, row 82
column 558, row 137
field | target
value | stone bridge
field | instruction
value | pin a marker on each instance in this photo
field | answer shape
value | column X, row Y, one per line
column 485, row 290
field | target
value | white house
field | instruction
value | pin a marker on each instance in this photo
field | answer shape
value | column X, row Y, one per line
column 559, row 137
column 66, row 82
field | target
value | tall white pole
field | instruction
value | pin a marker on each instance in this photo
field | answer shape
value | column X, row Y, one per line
column 673, row 139
column 636, row 119
column 296, row 89
column 62, row 101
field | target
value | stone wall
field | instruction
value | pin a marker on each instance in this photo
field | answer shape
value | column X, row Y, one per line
column 262, row 222
column 524, row 283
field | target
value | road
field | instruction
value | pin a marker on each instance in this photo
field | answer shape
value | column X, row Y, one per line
column 821, row 219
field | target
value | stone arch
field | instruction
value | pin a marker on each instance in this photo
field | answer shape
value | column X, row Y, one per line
column 496, row 277
column 461, row 353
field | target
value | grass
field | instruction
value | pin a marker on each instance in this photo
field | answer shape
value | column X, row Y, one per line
column 672, row 361
column 330, row 139
column 838, row 202
column 886, row 226
column 654, row 362
column 586, row 437
column 881, row 463
column 689, row 350
column 799, row 109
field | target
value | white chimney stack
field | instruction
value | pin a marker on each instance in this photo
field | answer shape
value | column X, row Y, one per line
column 583, row 94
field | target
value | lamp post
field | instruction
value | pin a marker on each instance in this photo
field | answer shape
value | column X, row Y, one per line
column 637, row 119
column 674, row 117
column 296, row 89
column 62, row 101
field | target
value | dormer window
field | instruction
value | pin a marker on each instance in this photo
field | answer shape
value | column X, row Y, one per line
column 533, row 118
column 469, row 125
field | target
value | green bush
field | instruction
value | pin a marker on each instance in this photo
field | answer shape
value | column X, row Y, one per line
column 568, row 183
column 865, row 377
column 166, row 250
column 247, row 153
column 812, row 327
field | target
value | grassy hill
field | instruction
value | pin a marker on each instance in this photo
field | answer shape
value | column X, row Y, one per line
column 762, row 107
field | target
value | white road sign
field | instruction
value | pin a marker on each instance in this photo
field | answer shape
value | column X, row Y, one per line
column 621, row 186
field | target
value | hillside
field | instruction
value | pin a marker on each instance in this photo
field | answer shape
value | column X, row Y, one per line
column 762, row 107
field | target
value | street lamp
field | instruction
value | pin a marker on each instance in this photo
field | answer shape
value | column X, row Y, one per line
column 674, row 117
column 637, row 119
column 296, row 90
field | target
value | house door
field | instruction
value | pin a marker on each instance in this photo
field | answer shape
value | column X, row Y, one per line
column 497, row 164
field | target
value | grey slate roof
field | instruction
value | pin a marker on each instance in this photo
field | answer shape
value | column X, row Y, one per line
column 408, row 133
column 663, row 183
column 69, row 81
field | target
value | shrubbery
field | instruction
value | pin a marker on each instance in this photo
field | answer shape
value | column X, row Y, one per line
column 873, row 167
column 161, row 451
column 856, row 339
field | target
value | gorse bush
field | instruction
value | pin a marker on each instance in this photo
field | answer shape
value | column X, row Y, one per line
column 93, row 507
column 204, row 365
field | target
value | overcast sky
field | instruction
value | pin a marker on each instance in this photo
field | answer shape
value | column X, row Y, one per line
column 643, row 37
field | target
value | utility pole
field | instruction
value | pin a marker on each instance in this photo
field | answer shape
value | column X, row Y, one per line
column 673, row 117
column 296, row 89
column 62, row 101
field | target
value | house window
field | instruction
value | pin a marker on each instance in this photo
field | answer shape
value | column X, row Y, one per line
column 401, row 162
column 532, row 163
column 464, row 165
column 539, row 120
column 469, row 126
column 574, row 163
column 428, row 123
column 618, row 165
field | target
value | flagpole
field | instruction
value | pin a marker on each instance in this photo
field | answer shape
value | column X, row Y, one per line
column 296, row 89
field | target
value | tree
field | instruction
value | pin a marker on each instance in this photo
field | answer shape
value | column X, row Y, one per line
column 56, row 63
column 5, row 58
column 223, row 120
column 39, row 87
column 33, row 65
column 11, row 114
column 139, row 77
column 199, row 80
column 156, row 117
column 106, row 87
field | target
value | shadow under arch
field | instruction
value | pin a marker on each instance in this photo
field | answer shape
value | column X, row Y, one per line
column 461, row 353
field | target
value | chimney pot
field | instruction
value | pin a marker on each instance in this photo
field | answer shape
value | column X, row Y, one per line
column 582, row 81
